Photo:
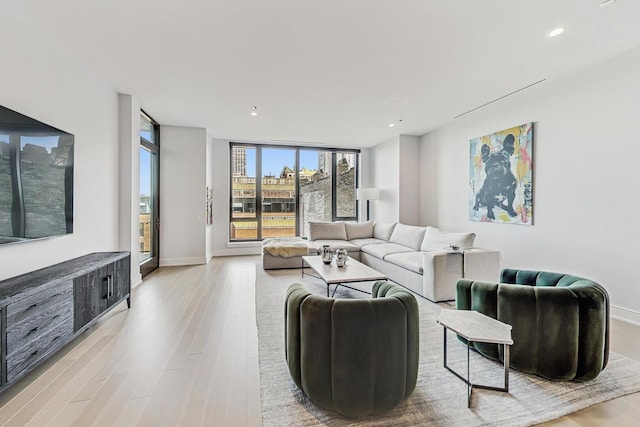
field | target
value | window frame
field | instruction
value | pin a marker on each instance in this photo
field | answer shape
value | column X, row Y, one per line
column 258, row 172
column 153, row 146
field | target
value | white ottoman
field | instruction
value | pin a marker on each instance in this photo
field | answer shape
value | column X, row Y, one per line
column 285, row 252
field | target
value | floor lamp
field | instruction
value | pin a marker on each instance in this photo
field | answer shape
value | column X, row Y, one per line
column 367, row 194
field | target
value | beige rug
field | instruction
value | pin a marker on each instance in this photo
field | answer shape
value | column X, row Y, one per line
column 439, row 398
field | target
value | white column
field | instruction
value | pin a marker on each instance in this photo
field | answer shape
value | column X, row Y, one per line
column 129, row 182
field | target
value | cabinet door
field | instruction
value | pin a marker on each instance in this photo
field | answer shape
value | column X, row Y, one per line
column 3, row 336
column 121, row 280
column 91, row 295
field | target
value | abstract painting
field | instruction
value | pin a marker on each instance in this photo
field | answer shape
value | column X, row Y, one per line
column 500, row 176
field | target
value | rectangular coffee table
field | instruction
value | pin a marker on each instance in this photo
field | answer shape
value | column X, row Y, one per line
column 331, row 274
column 476, row 327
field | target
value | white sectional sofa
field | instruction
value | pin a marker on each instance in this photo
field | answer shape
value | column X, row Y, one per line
column 417, row 258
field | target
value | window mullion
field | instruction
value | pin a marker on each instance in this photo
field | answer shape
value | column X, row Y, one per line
column 296, row 189
column 259, row 192
column 334, row 186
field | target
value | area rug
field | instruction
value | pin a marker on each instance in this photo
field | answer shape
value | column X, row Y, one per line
column 439, row 398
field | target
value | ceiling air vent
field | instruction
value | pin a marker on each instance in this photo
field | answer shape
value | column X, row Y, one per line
column 498, row 99
column 289, row 141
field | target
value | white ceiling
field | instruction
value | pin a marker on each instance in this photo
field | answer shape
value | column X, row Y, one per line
column 335, row 72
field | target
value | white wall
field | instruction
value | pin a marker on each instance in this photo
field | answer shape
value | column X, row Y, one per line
column 586, row 151
column 210, row 166
column 182, row 195
column 409, row 184
column 394, row 168
column 39, row 78
column 364, row 181
column 384, row 162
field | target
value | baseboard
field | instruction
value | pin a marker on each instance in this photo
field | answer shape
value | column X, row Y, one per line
column 247, row 250
column 173, row 262
column 625, row 315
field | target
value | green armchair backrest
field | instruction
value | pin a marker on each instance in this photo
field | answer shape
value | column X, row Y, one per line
column 560, row 322
column 353, row 356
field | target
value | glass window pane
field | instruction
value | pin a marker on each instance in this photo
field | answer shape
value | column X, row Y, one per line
column 243, row 198
column 346, row 185
column 243, row 230
column 278, row 192
column 146, row 204
column 147, row 129
column 149, row 189
column 315, row 188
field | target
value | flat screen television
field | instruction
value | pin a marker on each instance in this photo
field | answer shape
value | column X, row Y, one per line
column 36, row 179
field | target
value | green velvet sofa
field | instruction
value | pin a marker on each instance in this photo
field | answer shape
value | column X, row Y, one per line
column 356, row 357
column 560, row 322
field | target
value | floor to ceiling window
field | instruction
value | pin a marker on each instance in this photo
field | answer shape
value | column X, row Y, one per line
column 278, row 193
column 149, row 191
column 295, row 185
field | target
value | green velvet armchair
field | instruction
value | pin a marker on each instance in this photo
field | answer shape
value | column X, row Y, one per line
column 560, row 322
column 356, row 357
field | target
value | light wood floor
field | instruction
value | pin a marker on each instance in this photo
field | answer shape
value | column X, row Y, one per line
column 187, row 354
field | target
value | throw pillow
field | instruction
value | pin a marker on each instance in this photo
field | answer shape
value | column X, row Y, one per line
column 436, row 240
column 383, row 230
column 359, row 230
column 327, row 231
column 408, row 235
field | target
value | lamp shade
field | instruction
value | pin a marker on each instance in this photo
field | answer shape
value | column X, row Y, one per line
column 367, row 194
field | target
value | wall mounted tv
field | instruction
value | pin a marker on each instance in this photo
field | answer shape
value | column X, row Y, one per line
column 36, row 179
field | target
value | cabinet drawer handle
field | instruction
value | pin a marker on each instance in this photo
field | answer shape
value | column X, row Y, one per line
column 32, row 306
column 54, row 339
column 110, row 286
column 34, row 353
column 55, row 317
column 32, row 331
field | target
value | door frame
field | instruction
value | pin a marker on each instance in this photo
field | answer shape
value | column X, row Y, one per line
column 153, row 262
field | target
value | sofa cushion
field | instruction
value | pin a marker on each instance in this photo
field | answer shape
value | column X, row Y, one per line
column 327, row 231
column 412, row 261
column 364, row 242
column 359, row 230
column 384, row 249
column 383, row 230
column 408, row 235
column 336, row 244
column 436, row 239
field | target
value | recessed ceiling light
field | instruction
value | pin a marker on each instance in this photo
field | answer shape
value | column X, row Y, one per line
column 556, row 32
column 391, row 125
column 254, row 111
column 606, row 3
